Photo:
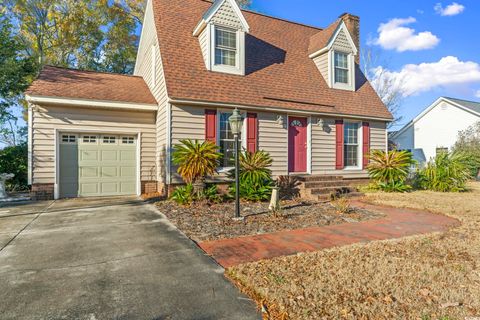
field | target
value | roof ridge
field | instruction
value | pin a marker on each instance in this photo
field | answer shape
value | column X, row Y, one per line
column 276, row 18
column 93, row 71
column 451, row 98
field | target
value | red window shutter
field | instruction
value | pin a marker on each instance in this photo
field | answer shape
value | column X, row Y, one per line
column 366, row 142
column 339, row 144
column 252, row 132
column 211, row 125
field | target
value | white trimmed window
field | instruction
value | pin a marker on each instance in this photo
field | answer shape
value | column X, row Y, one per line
column 109, row 139
column 351, row 144
column 68, row 138
column 128, row 140
column 341, row 73
column 225, row 47
column 226, row 141
column 89, row 139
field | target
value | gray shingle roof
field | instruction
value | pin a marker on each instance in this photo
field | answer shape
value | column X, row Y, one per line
column 471, row 105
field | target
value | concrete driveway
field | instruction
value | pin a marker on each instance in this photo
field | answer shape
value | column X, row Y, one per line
column 107, row 259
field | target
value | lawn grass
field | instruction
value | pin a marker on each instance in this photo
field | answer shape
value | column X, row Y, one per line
column 434, row 276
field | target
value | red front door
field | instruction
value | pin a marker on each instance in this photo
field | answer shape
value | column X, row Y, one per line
column 297, row 144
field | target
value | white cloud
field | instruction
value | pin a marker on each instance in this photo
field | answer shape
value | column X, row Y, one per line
column 450, row 10
column 477, row 94
column 417, row 78
column 395, row 35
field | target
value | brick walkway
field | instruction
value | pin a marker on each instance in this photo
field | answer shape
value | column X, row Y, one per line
column 396, row 223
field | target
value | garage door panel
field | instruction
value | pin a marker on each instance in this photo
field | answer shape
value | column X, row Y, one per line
column 88, row 155
column 127, row 172
column 127, row 188
column 89, row 188
column 109, row 155
column 88, row 172
column 127, row 155
column 109, row 172
column 110, row 187
column 99, row 165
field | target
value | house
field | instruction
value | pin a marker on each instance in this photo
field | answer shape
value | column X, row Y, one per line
column 436, row 128
column 300, row 89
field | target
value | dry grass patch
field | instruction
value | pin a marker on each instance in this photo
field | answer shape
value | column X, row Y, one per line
column 434, row 276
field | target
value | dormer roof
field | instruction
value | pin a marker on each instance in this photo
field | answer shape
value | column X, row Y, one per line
column 225, row 12
column 325, row 39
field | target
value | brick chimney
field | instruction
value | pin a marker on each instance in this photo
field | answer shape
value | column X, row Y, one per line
column 353, row 25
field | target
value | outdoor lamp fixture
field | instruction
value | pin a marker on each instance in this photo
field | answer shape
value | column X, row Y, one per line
column 236, row 123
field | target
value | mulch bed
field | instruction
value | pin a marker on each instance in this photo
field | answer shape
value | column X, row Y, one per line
column 202, row 222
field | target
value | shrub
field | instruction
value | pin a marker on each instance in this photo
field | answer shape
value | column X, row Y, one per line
column 211, row 194
column 468, row 142
column 254, row 167
column 15, row 160
column 183, row 195
column 447, row 172
column 342, row 205
column 389, row 170
column 196, row 160
column 254, row 175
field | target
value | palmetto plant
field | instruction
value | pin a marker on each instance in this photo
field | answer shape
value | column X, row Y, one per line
column 254, row 167
column 447, row 172
column 389, row 170
column 195, row 159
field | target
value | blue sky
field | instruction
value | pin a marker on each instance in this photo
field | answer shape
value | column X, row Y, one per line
column 437, row 39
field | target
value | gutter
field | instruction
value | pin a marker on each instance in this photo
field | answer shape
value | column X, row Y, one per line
column 91, row 103
column 272, row 109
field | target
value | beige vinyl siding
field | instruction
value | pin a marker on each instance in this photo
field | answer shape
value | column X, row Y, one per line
column 273, row 138
column 47, row 119
column 144, row 67
column 227, row 17
column 204, row 45
column 186, row 123
column 341, row 43
column 378, row 132
column 322, row 64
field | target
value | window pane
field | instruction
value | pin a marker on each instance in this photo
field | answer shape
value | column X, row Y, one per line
column 351, row 155
column 225, row 47
column 227, row 141
column 341, row 67
column 225, row 57
column 351, row 144
column 341, row 75
column 225, row 38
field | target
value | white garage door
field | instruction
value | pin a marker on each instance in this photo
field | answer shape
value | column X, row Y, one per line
column 97, row 165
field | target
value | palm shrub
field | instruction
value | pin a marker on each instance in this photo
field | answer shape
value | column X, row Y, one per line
column 447, row 172
column 389, row 170
column 195, row 161
column 255, row 176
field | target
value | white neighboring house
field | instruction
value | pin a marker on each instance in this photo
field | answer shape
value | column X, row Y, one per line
column 436, row 128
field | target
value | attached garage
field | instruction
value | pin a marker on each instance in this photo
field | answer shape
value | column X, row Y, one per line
column 97, row 164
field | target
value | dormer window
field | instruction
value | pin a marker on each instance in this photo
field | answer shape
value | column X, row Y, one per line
column 221, row 36
column 334, row 52
column 341, row 67
column 225, row 47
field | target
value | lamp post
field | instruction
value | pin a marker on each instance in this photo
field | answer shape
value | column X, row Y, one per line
column 236, row 122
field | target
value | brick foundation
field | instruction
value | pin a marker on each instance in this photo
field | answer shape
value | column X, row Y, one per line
column 149, row 187
column 42, row 191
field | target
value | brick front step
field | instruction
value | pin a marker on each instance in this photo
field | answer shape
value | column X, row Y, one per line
column 318, row 178
column 321, row 184
column 333, row 190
